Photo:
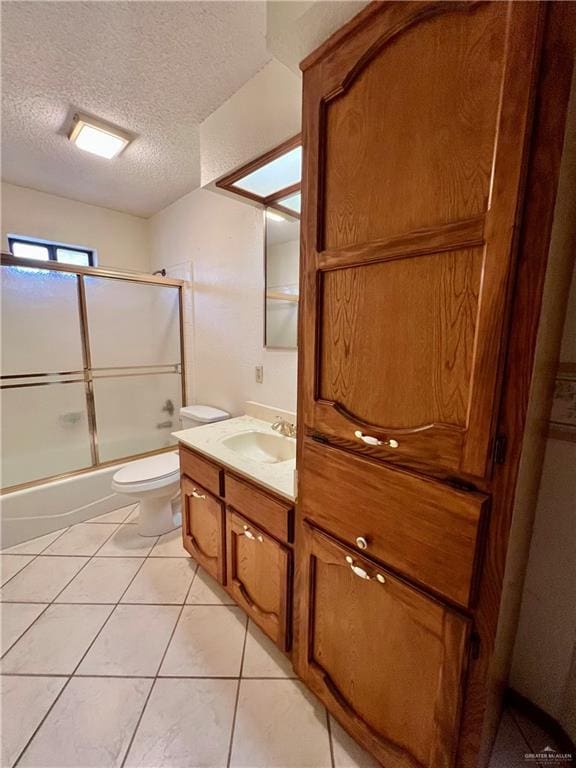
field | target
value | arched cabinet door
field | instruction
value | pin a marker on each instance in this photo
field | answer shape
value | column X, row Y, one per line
column 416, row 127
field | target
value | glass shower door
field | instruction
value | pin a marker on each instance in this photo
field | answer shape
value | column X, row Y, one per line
column 135, row 351
column 45, row 422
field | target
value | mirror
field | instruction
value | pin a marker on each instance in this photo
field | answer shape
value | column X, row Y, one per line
column 282, row 255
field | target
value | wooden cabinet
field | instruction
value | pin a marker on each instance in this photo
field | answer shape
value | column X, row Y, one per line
column 259, row 571
column 203, row 527
column 432, row 133
column 240, row 534
column 386, row 659
column 415, row 132
column 425, row 530
column 274, row 515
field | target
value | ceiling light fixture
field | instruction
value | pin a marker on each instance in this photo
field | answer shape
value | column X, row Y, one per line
column 96, row 136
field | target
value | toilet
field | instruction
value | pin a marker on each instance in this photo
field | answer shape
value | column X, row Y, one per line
column 155, row 480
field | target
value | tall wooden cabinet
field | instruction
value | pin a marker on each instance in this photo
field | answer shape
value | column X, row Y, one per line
column 417, row 128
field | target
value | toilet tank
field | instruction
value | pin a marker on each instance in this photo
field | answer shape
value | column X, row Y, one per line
column 197, row 415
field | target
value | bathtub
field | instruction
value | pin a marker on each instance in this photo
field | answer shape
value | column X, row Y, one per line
column 56, row 504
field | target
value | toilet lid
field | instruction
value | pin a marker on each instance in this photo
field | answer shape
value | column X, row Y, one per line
column 151, row 468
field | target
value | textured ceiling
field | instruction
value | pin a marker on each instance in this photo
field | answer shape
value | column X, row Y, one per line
column 156, row 69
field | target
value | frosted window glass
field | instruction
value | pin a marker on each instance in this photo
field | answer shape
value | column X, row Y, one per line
column 274, row 176
column 44, row 432
column 132, row 323
column 66, row 256
column 40, row 321
column 29, row 251
column 293, row 203
column 129, row 413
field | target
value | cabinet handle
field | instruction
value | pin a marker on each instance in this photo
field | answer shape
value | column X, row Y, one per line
column 249, row 535
column 371, row 440
column 197, row 495
column 362, row 573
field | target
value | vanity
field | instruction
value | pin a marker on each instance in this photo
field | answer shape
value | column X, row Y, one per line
column 237, row 480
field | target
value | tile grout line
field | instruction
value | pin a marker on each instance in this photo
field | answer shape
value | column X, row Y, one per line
column 237, row 694
column 114, row 606
column 155, row 678
column 50, row 602
column 33, row 556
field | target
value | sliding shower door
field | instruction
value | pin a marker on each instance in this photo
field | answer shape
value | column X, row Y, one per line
column 91, row 369
column 45, row 424
column 134, row 338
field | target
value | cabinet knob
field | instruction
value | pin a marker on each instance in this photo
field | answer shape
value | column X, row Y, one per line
column 371, row 440
column 361, row 542
column 197, row 495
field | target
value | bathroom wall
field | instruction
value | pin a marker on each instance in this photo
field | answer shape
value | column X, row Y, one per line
column 120, row 240
column 222, row 241
column 544, row 663
column 263, row 113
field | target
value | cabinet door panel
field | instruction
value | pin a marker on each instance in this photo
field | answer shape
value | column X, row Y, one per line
column 415, row 133
column 386, row 660
column 203, row 528
column 258, row 574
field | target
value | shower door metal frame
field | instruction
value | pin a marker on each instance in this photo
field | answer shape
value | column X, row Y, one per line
column 86, row 375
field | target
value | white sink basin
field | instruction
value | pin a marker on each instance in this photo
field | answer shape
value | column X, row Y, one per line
column 264, row 447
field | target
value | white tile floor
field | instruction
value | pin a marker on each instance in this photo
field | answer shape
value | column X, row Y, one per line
column 117, row 650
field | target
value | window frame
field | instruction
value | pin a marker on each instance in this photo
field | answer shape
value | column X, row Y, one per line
column 52, row 248
column 271, row 201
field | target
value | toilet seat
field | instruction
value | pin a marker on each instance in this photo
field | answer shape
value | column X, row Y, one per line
column 149, row 474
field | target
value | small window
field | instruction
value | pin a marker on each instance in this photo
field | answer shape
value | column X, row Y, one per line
column 273, row 179
column 45, row 251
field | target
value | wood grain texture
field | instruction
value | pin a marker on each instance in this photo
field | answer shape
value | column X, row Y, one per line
column 258, row 576
column 203, row 527
column 261, row 508
column 420, row 528
column 398, row 339
column 325, row 80
column 429, row 161
column 386, row 659
column 205, row 472
column 480, row 111
column 556, row 71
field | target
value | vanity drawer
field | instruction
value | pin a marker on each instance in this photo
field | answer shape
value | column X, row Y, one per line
column 258, row 576
column 275, row 516
column 209, row 475
column 423, row 529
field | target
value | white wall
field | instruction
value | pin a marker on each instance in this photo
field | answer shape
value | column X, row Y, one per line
column 121, row 240
column 262, row 114
column 223, row 239
column 544, row 663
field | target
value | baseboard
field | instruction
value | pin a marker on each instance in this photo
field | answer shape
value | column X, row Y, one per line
column 540, row 718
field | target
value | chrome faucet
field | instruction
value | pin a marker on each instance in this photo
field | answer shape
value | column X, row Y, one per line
column 284, row 427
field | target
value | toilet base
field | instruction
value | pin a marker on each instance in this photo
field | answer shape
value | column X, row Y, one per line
column 157, row 516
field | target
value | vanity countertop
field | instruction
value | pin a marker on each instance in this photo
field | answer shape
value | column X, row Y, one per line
column 208, row 440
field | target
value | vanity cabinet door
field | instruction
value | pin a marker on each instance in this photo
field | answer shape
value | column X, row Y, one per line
column 387, row 660
column 258, row 576
column 203, row 527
